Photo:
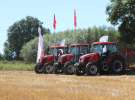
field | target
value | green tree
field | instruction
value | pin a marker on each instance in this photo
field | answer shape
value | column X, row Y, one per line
column 122, row 13
column 1, row 57
column 21, row 32
column 7, row 52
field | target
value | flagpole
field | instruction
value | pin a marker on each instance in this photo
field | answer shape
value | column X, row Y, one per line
column 75, row 20
column 55, row 45
column 54, row 27
column 75, row 25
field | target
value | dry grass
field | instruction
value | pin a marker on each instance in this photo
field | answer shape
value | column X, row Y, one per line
column 25, row 85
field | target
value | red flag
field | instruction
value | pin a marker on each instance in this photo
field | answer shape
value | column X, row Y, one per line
column 75, row 20
column 54, row 22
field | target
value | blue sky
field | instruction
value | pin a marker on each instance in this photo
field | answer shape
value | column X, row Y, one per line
column 89, row 13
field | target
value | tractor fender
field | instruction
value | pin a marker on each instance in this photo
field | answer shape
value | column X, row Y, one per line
column 116, row 57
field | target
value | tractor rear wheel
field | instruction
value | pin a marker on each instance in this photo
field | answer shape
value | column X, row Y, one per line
column 49, row 69
column 39, row 68
column 92, row 69
column 117, row 66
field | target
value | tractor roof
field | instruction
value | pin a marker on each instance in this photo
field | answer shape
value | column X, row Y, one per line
column 58, row 46
column 74, row 45
column 103, row 43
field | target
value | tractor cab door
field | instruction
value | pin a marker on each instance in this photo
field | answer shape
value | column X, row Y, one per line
column 109, row 50
column 74, row 50
column 83, row 50
column 78, row 51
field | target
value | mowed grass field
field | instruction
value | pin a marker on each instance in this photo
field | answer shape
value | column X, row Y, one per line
column 18, row 81
column 26, row 85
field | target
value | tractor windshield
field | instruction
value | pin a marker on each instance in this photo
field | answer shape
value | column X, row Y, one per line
column 77, row 50
column 111, row 48
column 54, row 51
column 74, row 50
column 83, row 50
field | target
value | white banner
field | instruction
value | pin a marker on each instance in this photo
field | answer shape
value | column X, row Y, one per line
column 40, row 52
column 104, row 39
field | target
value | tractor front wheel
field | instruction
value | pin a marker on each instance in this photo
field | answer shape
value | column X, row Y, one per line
column 39, row 68
column 69, row 69
column 57, row 68
column 49, row 69
column 92, row 69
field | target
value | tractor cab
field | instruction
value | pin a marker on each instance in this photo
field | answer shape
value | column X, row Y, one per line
column 74, row 52
column 104, row 57
column 78, row 50
column 57, row 51
column 47, row 61
column 66, row 61
column 104, row 48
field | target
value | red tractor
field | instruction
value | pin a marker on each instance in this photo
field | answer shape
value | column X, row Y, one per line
column 104, row 57
column 46, row 63
column 66, row 62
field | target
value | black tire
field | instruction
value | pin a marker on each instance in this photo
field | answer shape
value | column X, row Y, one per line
column 49, row 69
column 69, row 69
column 57, row 68
column 39, row 68
column 118, row 67
column 105, row 68
column 80, row 70
column 92, row 69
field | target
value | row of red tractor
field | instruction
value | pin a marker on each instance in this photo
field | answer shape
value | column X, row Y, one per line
column 83, row 59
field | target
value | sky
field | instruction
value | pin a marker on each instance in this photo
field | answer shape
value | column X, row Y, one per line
column 89, row 13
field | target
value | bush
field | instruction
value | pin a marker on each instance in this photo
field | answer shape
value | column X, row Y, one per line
column 29, row 51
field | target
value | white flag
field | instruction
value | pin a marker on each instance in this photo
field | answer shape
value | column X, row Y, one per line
column 104, row 39
column 40, row 52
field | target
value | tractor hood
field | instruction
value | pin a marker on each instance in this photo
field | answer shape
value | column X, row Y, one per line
column 47, row 59
column 66, row 58
column 91, row 57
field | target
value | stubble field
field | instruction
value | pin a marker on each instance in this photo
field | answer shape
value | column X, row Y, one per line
column 26, row 85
